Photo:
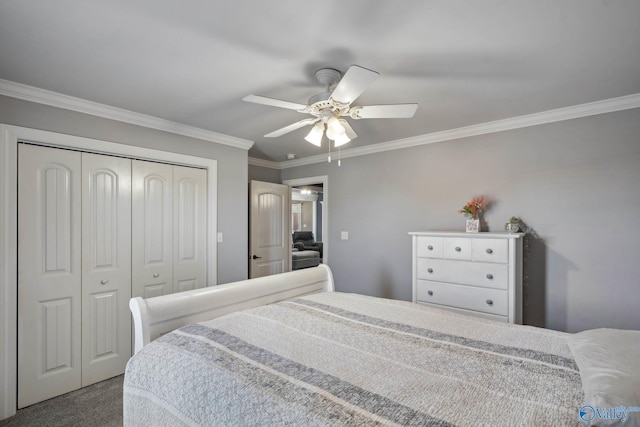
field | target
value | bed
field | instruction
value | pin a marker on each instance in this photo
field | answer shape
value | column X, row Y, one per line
column 289, row 350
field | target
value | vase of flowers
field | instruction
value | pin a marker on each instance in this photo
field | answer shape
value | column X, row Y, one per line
column 472, row 210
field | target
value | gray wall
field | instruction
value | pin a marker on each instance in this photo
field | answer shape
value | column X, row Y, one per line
column 306, row 219
column 232, row 166
column 575, row 182
column 259, row 173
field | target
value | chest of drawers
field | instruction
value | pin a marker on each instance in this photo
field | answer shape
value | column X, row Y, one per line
column 475, row 273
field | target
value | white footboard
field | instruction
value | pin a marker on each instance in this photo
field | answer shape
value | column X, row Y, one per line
column 153, row 317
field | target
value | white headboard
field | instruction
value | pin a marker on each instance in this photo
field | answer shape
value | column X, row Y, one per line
column 153, row 317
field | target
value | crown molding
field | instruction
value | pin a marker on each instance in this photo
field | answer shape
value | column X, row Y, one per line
column 264, row 163
column 560, row 114
column 41, row 96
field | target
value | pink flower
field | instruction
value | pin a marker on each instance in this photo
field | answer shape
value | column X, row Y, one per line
column 474, row 207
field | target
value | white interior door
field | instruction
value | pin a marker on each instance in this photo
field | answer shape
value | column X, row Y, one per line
column 106, row 266
column 189, row 228
column 49, row 273
column 152, row 223
column 269, row 234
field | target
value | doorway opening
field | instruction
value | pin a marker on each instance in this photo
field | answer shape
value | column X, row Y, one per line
column 309, row 225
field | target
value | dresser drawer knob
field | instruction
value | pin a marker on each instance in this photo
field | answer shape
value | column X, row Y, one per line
column 489, row 250
column 489, row 302
column 156, row 275
column 430, row 247
column 458, row 248
column 430, row 293
column 489, row 276
column 429, row 270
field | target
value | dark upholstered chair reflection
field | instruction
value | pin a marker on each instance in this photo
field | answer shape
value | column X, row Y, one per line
column 304, row 241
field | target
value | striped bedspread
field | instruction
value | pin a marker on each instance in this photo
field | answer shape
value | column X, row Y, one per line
column 345, row 359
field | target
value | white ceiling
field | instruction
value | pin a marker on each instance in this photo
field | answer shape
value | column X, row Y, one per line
column 464, row 61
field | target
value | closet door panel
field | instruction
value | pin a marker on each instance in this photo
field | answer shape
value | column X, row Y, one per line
column 152, row 221
column 189, row 228
column 106, row 266
column 49, row 273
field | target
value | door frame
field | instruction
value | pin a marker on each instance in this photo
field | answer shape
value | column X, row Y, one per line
column 9, row 137
column 324, row 180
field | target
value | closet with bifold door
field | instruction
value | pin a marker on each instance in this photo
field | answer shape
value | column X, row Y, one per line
column 169, row 229
column 93, row 231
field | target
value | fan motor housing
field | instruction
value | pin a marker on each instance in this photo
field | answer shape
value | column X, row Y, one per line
column 319, row 97
column 328, row 77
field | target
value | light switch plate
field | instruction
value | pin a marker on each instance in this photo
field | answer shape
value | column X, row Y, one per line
column 344, row 235
column 219, row 237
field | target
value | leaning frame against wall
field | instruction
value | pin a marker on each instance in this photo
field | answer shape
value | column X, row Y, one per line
column 9, row 137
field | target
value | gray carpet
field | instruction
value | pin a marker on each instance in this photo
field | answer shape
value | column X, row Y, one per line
column 97, row 405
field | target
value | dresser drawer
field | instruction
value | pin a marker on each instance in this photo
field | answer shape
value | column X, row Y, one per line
column 429, row 247
column 492, row 301
column 488, row 275
column 457, row 248
column 490, row 250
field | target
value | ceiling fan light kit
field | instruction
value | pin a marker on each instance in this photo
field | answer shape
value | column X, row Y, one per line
column 329, row 106
column 315, row 135
column 334, row 128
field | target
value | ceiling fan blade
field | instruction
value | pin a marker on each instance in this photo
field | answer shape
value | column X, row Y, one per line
column 257, row 99
column 355, row 81
column 348, row 129
column 396, row 111
column 291, row 127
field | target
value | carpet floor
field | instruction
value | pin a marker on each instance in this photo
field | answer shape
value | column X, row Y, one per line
column 99, row 404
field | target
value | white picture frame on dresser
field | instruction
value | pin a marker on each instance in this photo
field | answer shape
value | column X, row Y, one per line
column 474, row 273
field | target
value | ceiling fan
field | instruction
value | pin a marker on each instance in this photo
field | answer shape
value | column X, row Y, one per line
column 328, row 107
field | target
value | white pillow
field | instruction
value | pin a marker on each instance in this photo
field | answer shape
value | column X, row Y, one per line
column 609, row 363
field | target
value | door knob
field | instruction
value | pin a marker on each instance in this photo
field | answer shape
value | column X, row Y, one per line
column 256, row 257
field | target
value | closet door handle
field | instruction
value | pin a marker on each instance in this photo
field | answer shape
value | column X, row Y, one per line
column 104, row 281
column 256, row 257
column 156, row 275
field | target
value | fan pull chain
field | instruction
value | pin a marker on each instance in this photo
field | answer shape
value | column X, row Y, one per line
column 329, row 158
column 339, row 157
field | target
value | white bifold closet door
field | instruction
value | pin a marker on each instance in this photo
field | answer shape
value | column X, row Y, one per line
column 74, row 263
column 189, row 228
column 49, row 273
column 106, row 266
column 169, row 228
column 152, row 188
